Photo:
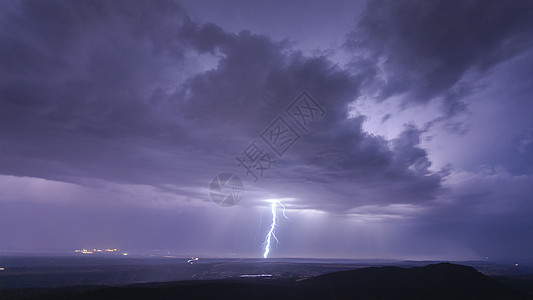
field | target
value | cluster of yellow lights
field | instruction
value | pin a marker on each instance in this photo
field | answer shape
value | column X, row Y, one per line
column 85, row 251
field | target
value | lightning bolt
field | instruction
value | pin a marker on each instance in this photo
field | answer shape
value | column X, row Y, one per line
column 272, row 232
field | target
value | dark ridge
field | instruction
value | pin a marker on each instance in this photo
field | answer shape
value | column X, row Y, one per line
column 438, row 281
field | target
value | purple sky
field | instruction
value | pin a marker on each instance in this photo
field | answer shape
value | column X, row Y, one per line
column 116, row 115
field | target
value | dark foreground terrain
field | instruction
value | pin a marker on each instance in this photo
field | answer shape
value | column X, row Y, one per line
column 437, row 281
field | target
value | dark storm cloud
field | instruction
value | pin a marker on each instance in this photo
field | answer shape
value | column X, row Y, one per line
column 357, row 168
column 428, row 49
column 78, row 87
column 256, row 79
column 94, row 94
column 68, row 61
column 127, row 109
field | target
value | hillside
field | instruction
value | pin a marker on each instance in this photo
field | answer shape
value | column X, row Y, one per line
column 438, row 281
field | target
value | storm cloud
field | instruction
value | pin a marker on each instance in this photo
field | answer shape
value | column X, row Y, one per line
column 434, row 49
column 135, row 105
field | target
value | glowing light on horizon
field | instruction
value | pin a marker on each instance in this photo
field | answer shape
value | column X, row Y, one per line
column 255, row 275
column 193, row 259
column 85, row 251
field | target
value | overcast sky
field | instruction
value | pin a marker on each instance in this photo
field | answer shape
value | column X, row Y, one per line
column 115, row 116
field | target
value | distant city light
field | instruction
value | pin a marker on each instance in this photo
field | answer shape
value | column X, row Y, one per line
column 255, row 275
column 2, row 269
column 193, row 259
column 85, row 251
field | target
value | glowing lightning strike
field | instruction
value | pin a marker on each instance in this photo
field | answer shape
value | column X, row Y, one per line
column 271, row 233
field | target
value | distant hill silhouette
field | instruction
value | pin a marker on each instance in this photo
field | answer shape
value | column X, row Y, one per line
column 438, row 281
